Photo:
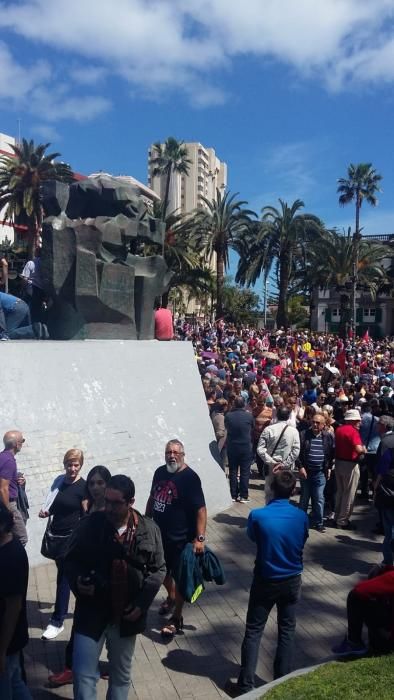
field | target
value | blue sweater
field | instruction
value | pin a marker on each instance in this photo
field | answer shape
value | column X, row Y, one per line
column 280, row 531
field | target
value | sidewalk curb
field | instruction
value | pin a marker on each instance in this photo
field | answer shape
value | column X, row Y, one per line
column 263, row 689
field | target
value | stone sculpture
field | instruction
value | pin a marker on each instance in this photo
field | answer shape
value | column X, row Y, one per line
column 99, row 283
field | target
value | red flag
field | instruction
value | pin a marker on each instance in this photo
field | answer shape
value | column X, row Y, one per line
column 366, row 336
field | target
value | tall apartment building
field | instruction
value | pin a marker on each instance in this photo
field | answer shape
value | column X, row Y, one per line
column 206, row 174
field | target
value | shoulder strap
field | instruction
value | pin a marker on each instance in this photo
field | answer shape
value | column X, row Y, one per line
column 278, row 440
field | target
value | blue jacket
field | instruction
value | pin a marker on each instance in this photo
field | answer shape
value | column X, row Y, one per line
column 194, row 569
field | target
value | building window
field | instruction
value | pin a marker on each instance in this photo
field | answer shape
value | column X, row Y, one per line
column 369, row 314
column 336, row 315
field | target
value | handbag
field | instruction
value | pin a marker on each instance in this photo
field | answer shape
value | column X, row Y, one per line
column 53, row 546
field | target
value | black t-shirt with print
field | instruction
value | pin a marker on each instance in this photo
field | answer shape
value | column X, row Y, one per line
column 67, row 507
column 14, row 575
column 176, row 500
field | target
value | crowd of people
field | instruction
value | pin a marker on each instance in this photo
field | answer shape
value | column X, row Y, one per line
column 297, row 410
column 113, row 558
column 321, row 409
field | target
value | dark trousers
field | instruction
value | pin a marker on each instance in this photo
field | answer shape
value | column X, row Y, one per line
column 330, row 491
column 264, row 594
column 367, row 470
column 62, row 595
column 243, row 460
column 376, row 614
column 36, row 305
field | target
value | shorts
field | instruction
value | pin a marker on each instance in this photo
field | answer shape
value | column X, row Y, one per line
column 172, row 555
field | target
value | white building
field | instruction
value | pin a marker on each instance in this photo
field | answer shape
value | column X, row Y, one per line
column 6, row 229
column 206, row 174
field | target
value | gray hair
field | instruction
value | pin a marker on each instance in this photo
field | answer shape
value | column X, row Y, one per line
column 388, row 421
column 175, row 441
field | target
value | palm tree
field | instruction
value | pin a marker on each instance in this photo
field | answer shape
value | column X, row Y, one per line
column 21, row 176
column 280, row 243
column 331, row 263
column 180, row 254
column 170, row 157
column 219, row 227
column 362, row 182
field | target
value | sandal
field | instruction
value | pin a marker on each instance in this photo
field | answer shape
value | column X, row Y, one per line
column 166, row 606
column 174, row 625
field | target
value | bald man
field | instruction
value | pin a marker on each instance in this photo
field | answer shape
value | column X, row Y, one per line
column 13, row 441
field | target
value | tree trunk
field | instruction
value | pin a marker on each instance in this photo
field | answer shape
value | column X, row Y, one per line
column 219, row 283
column 356, row 246
column 167, row 194
column 284, row 278
column 345, row 312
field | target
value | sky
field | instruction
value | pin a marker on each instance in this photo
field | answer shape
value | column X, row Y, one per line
column 288, row 93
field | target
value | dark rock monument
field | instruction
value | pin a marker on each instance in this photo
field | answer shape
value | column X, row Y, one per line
column 93, row 264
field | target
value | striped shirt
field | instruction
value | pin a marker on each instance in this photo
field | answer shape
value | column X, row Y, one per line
column 316, row 454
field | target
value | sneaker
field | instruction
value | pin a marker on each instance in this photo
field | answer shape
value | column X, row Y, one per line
column 52, row 632
column 4, row 336
column 244, row 500
column 331, row 523
column 319, row 528
column 348, row 648
column 234, row 500
column 63, row 678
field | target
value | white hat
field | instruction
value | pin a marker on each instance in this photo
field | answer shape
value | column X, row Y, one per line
column 330, row 390
column 352, row 414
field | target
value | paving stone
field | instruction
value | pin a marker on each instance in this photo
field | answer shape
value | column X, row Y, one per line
column 196, row 664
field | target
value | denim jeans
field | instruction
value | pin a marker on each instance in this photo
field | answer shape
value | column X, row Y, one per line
column 18, row 321
column 62, row 596
column 243, row 460
column 85, row 664
column 388, row 542
column 12, row 686
column 313, row 488
column 264, row 594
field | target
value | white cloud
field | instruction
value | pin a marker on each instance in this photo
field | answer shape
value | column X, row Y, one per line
column 46, row 132
column 87, row 75
column 17, row 80
column 163, row 45
column 36, row 89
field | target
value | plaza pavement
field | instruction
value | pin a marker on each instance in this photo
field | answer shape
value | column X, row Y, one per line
column 197, row 663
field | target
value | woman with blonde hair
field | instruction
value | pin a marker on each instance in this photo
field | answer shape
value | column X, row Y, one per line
column 64, row 507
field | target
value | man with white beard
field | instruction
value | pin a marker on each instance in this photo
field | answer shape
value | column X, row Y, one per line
column 177, row 505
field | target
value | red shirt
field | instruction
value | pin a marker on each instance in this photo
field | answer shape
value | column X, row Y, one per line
column 346, row 439
column 163, row 325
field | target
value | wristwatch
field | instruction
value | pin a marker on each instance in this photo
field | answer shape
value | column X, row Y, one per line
column 200, row 538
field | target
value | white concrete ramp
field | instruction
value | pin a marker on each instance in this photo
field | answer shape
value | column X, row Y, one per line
column 118, row 400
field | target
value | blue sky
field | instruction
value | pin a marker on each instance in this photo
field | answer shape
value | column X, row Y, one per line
column 288, row 93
